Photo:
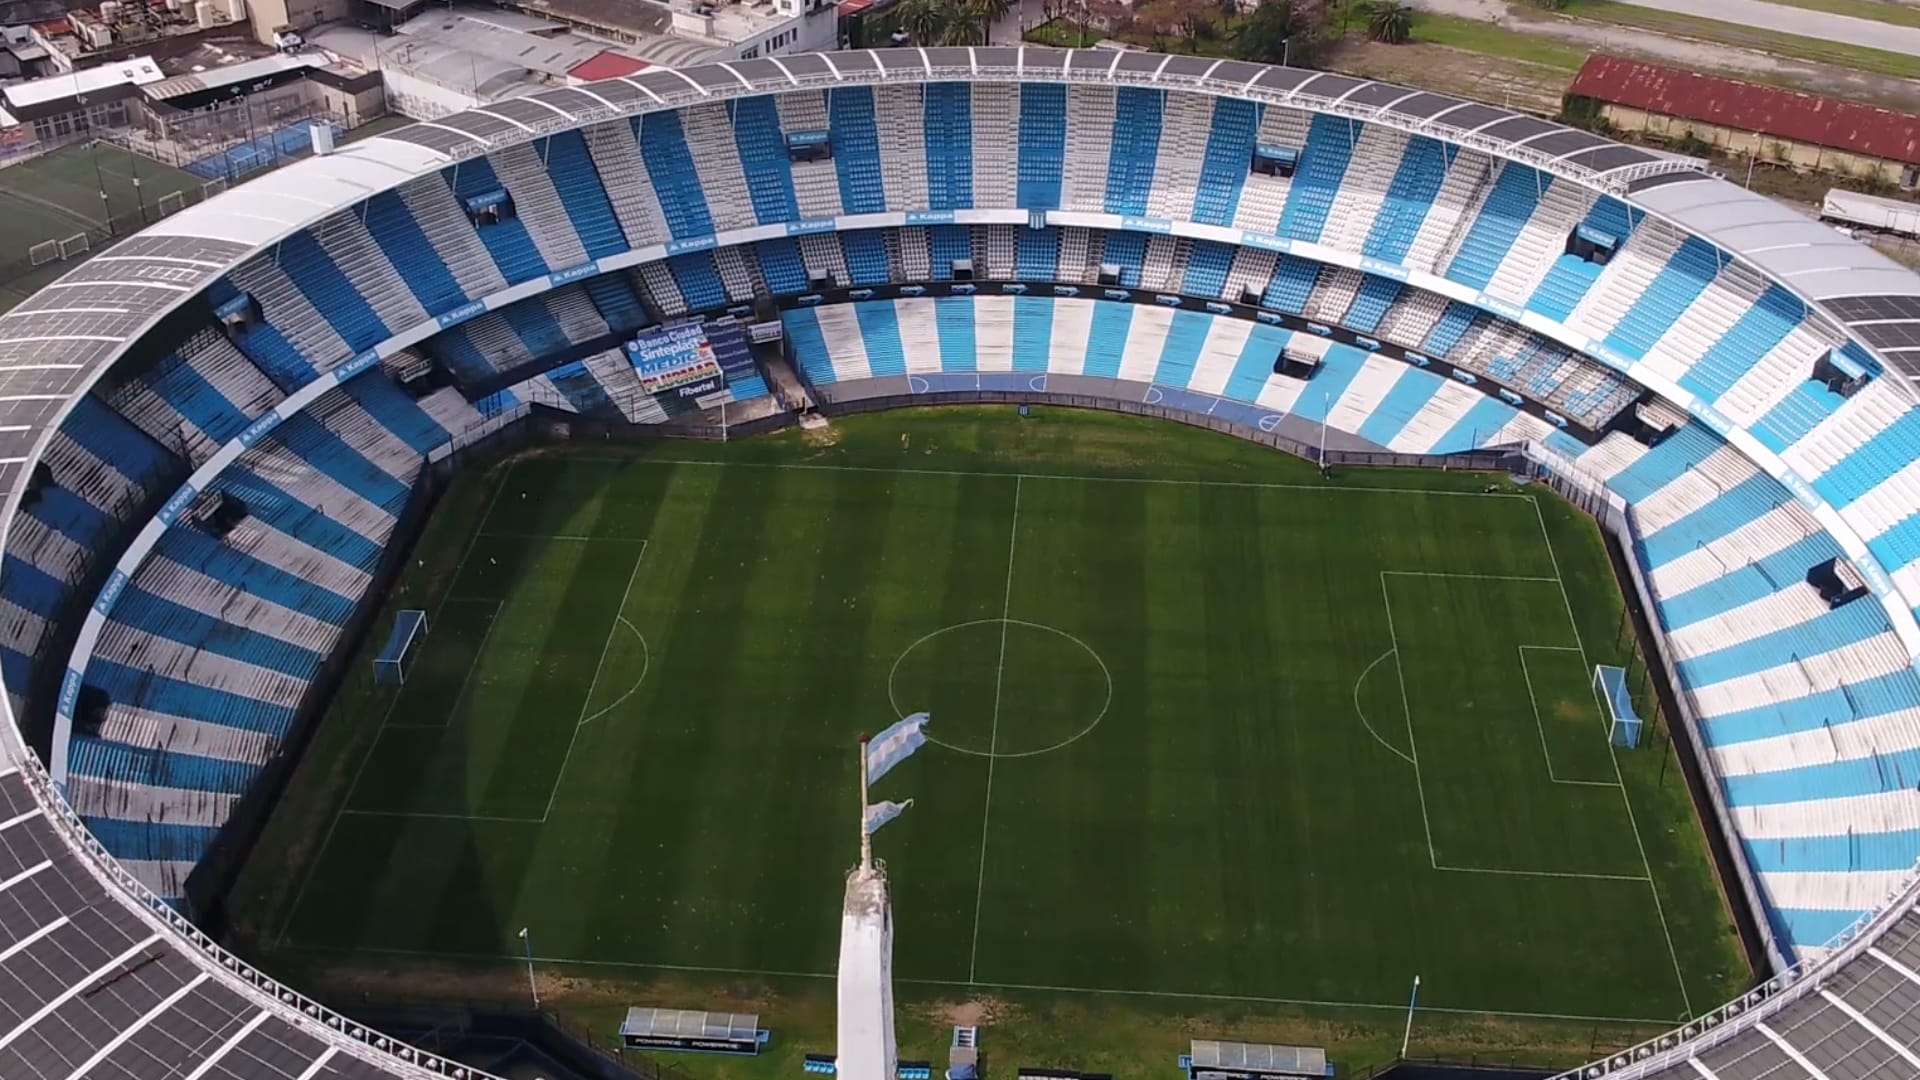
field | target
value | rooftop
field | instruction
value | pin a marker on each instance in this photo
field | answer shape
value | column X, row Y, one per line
column 1786, row 114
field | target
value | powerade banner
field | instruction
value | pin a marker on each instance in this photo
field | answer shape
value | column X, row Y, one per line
column 676, row 356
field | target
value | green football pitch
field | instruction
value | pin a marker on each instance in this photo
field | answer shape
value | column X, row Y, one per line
column 1205, row 726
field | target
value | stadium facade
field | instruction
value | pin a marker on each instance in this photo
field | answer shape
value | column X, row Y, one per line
column 209, row 433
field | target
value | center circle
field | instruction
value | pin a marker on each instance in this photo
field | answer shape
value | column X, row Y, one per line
column 1003, row 688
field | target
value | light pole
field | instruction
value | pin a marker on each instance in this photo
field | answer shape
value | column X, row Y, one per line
column 1407, row 1035
column 533, row 988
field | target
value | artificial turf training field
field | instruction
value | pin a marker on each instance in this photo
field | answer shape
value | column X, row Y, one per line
column 1257, row 736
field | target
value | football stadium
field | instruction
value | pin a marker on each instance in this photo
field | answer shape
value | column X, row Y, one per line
column 1332, row 551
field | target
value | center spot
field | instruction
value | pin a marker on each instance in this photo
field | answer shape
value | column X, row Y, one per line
column 1051, row 687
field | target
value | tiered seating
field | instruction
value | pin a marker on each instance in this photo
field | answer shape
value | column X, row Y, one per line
column 443, row 223
column 197, row 398
column 1136, row 147
column 866, row 257
column 1760, row 325
column 1568, row 280
column 1291, row 285
column 1466, row 181
column 900, row 113
column 699, row 282
column 996, row 144
column 305, row 263
column 816, row 184
column 1207, row 268
column 616, row 157
column 1506, row 210
column 578, row 184
column 617, row 304
column 1541, row 240
column 426, row 273
column 507, row 240
column 1038, row 257
column 1669, row 294
column 763, row 156
column 949, row 127
column 738, row 274
column 1223, row 172
column 1625, row 279
column 1043, row 141
column 1264, row 198
column 780, row 264
column 823, row 257
column 715, row 156
column 1323, row 166
column 208, row 653
column 1181, row 152
column 1423, row 168
column 1376, row 295
column 350, row 248
column 671, row 176
column 1090, row 115
column 1375, row 168
column 537, row 206
column 856, row 151
column 1332, row 294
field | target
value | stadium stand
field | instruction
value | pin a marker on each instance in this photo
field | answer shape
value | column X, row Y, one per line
column 1313, row 246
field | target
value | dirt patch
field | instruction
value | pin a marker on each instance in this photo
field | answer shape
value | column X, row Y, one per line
column 821, row 438
column 976, row 1012
column 1517, row 84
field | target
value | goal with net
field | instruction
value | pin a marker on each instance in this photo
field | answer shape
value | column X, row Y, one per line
column 390, row 666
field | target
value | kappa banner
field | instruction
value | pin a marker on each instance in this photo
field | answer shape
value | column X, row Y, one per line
column 677, row 358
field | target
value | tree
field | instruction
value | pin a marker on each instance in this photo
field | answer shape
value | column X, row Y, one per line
column 1158, row 19
column 925, row 20
column 1266, row 37
column 1389, row 22
column 1194, row 19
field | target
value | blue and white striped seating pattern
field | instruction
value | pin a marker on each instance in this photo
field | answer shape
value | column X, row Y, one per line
column 209, row 652
column 1205, row 363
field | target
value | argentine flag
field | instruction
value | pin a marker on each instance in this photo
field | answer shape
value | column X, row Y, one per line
column 895, row 745
column 880, row 813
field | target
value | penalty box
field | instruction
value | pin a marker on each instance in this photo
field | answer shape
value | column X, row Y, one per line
column 1509, row 745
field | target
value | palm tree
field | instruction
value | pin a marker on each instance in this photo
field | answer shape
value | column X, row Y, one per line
column 925, row 20
column 1389, row 22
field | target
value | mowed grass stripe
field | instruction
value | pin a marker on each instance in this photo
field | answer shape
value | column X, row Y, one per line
column 1230, row 828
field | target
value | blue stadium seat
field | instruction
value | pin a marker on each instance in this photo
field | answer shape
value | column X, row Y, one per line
column 1508, row 208
column 1207, row 268
column 614, row 298
column 1423, row 168
column 1223, row 171
column 1570, row 277
column 1043, row 142
column 763, row 156
column 866, row 254
column 1316, row 183
column 1764, row 325
column 1136, row 149
column 1038, row 257
column 780, row 264
column 577, row 183
column 949, row 123
column 663, row 147
column 1376, row 295
column 304, row 261
column 406, row 246
column 1666, row 298
column 856, row 150
column 507, row 240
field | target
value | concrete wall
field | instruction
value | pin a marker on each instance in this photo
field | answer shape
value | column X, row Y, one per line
column 1805, row 157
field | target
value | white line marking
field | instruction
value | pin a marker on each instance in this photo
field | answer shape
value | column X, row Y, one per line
column 134, row 1028
column 1540, row 722
column 466, row 683
column 1165, row 481
column 993, row 739
column 1614, row 753
column 646, row 663
column 1401, row 754
column 1406, row 705
column 1395, row 1006
column 575, row 537
column 313, row 861
column 580, row 721
column 1542, row 873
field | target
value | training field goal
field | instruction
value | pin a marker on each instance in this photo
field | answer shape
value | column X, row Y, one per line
column 1623, row 724
column 390, row 666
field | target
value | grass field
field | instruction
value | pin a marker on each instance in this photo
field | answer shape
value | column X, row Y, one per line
column 1212, row 732
column 57, row 195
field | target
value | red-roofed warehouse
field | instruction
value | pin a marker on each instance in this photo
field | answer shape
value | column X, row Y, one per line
column 1806, row 131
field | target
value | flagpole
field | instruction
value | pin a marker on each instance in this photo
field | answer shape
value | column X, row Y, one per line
column 866, row 839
